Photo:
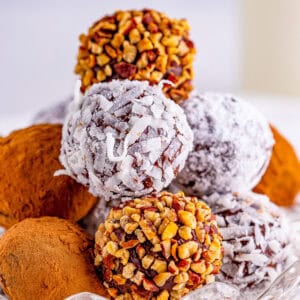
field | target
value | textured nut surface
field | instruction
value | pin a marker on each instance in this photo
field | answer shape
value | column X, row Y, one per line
column 141, row 45
column 166, row 255
column 185, row 232
column 187, row 218
column 187, row 249
column 159, row 266
column 148, row 229
column 128, row 270
column 161, row 278
column 199, row 267
column 147, row 261
column 170, row 231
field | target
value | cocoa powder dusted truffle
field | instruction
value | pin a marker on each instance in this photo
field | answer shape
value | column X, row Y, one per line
column 255, row 238
column 140, row 45
column 158, row 247
column 281, row 181
column 28, row 187
column 232, row 145
column 125, row 139
column 47, row 258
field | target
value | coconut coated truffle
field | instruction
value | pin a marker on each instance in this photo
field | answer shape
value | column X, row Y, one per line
column 138, row 45
column 125, row 139
column 47, row 258
column 281, row 181
column 158, row 247
column 55, row 114
column 28, row 159
column 255, row 239
column 232, row 145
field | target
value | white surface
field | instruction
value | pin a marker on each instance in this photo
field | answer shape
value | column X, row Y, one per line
column 39, row 41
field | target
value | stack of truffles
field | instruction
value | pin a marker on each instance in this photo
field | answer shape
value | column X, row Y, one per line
column 171, row 189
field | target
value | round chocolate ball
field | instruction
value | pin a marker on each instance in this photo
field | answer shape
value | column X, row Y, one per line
column 125, row 139
column 138, row 45
column 54, row 114
column 281, row 181
column 161, row 246
column 97, row 215
column 28, row 187
column 232, row 145
column 47, row 258
column 255, row 239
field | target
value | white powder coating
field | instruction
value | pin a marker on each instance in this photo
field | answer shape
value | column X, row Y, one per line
column 125, row 139
column 232, row 145
column 85, row 296
column 55, row 114
column 255, row 239
column 98, row 215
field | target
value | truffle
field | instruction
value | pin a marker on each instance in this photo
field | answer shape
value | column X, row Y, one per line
column 47, row 258
column 162, row 246
column 255, row 239
column 85, row 296
column 97, row 215
column 232, row 145
column 28, row 159
column 125, row 139
column 138, row 45
column 281, row 182
column 55, row 114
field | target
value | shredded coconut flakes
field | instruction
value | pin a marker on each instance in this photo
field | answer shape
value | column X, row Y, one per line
column 125, row 139
column 255, row 239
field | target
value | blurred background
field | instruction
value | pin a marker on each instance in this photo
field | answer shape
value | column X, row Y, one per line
column 247, row 47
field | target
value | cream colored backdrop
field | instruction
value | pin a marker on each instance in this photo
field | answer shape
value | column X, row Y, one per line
column 271, row 42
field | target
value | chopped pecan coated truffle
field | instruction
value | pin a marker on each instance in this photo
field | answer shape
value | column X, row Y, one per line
column 159, row 246
column 141, row 45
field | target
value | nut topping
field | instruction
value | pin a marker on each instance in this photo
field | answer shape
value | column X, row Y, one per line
column 185, row 232
column 161, row 278
column 128, row 271
column 159, row 266
column 170, row 231
column 147, row 261
column 160, row 250
column 148, row 229
column 187, row 218
column 186, row 250
column 143, row 46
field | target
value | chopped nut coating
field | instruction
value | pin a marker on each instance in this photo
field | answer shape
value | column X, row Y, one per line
column 141, row 45
column 159, row 250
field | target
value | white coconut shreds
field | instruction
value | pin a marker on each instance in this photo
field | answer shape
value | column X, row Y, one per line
column 232, row 145
column 255, row 239
column 125, row 139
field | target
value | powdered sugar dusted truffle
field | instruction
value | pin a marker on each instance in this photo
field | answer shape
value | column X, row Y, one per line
column 232, row 145
column 255, row 239
column 98, row 215
column 125, row 139
column 55, row 114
